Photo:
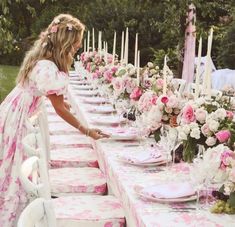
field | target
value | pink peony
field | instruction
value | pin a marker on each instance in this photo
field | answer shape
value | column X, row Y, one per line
column 201, row 115
column 188, row 114
column 164, row 99
column 229, row 114
column 223, row 135
column 136, row 93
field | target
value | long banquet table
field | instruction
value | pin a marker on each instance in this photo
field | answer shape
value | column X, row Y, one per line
column 123, row 180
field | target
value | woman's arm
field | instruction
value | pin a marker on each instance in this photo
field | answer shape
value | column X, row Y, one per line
column 61, row 109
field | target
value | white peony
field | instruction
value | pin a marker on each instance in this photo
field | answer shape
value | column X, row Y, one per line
column 201, row 115
column 211, row 141
column 182, row 135
column 195, row 133
column 213, row 125
column 186, row 129
column 193, row 125
column 220, row 114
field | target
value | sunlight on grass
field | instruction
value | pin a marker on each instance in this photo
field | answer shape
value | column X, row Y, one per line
column 7, row 79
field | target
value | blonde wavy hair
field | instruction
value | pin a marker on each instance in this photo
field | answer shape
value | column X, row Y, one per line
column 55, row 44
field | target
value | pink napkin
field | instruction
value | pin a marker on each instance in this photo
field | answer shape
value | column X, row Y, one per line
column 170, row 190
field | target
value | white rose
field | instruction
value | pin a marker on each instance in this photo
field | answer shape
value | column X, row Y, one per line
column 220, row 113
column 201, row 115
column 195, row 133
column 153, row 71
column 211, row 141
column 213, row 125
column 193, row 125
column 186, row 129
column 182, row 136
column 168, row 110
column 150, row 64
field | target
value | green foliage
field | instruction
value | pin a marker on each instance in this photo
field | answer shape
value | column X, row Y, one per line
column 7, row 79
column 160, row 24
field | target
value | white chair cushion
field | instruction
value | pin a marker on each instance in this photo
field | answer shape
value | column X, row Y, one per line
column 73, row 157
column 62, row 128
column 62, row 141
column 89, row 211
column 54, row 118
column 77, row 180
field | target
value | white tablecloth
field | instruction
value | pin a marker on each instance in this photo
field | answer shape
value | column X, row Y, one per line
column 123, row 178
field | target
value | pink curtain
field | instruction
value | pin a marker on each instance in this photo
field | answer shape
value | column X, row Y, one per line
column 189, row 46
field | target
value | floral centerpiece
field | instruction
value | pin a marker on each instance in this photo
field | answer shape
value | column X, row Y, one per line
column 225, row 172
column 205, row 122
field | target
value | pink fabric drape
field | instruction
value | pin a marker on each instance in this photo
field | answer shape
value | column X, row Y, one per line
column 189, row 46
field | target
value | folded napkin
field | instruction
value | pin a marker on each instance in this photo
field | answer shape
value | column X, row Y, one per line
column 144, row 157
column 170, row 190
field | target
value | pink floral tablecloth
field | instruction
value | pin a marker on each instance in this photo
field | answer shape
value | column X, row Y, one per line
column 123, row 179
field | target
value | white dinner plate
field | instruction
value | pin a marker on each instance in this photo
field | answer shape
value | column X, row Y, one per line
column 95, row 100
column 101, row 109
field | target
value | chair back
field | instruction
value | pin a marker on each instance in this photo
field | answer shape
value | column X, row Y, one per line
column 39, row 213
column 34, row 178
column 179, row 84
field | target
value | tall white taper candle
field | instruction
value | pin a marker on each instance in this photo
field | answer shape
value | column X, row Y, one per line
column 199, row 55
column 136, row 49
column 114, row 48
column 122, row 47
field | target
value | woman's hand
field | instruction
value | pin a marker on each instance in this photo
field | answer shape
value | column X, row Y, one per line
column 96, row 134
column 67, row 106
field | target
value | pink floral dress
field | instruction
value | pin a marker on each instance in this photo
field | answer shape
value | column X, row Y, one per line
column 15, row 110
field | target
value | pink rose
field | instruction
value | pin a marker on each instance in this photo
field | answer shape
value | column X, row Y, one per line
column 201, row 115
column 159, row 83
column 136, row 93
column 114, row 69
column 118, row 84
column 54, row 28
column 223, row 135
column 164, row 99
column 188, row 114
column 229, row 114
column 173, row 102
column 205, row 130
column 88, row 67
column 108, row 76
column 225, row 158
column 154, row 100
column 95, row 75
column 129, row 85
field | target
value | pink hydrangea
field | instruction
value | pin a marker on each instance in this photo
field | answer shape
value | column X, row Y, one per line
column 223, row 136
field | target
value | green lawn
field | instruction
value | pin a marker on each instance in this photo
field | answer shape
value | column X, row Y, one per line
column 7, row 79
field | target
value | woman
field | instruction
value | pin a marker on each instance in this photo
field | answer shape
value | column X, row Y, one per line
column 44, row 72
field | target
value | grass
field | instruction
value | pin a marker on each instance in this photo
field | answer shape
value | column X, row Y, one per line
column 7, row 79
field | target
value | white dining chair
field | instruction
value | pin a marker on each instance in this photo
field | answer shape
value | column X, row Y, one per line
column 67, row 180
column 179, row 84
column 72, row 211
column 39, row 213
